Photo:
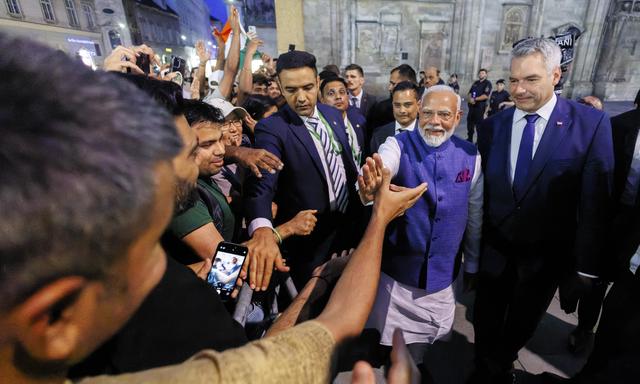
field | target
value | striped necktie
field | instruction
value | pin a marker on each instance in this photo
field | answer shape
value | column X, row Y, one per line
column 337, row 178
column 354, row 102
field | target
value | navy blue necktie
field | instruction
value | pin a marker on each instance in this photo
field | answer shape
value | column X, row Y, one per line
column 525, row 155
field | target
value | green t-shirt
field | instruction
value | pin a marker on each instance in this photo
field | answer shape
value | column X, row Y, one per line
column 200, row 214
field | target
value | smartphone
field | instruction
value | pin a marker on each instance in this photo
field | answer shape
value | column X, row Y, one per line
column 226, row 267
column 252, row 29
column 178, row 64
column 144, row 63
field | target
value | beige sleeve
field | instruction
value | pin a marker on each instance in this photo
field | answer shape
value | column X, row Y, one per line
column 301, row 354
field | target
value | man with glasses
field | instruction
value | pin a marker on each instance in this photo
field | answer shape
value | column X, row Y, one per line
column 421, row 253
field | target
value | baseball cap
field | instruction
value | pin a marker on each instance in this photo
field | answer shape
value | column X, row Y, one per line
column 226, row 107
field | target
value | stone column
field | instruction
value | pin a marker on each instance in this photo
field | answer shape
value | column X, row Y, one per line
column 289, row 24
column 588, row 48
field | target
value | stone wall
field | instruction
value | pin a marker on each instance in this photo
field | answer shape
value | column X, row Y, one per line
column 462, row 36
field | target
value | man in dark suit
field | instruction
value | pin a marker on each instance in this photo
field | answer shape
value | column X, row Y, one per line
column 319, row 173
column 354, row 75
column 405, row 111
column 382, row 112
column 333, row 92
column 548, row 171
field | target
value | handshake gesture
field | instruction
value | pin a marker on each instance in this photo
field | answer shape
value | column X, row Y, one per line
column 374, row 184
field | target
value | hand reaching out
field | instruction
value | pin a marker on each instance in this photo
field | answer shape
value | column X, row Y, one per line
column 371, row 179
column 121, row 59
column 392, row 201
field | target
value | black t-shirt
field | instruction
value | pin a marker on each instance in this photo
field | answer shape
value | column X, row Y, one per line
column 480, row 88
column 496, row 98
column 181, row 316
column 379, row 115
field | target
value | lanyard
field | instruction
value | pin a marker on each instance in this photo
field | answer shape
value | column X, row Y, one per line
column 335, row 146
column 353, row 138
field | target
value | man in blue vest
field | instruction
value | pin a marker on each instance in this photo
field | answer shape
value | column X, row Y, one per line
column 422, row 248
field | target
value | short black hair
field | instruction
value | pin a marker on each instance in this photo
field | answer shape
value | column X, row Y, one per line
column 326, row 75
column 331, row 79
column 482, row 70
column 198, row 111
column 422, row 72
column 332, row 68
column 257, row 105
column 78, row 155
column 406, row 72
column 354, row 67
column 406, row 86
column 296, row 59
column 500, row 81
column 259, row 78
column 167, row 93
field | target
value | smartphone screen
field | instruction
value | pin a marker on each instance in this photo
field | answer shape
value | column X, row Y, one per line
column 144, row 63
column 178, row 64
column 226, row 266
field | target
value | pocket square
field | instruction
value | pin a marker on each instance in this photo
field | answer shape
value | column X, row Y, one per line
column 463, row 176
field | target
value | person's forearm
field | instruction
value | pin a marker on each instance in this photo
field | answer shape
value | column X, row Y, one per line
column 482, row 97
column 352, row 298
column 200, row 75
column 219, row 58
column 233, row 61
column 245, row 80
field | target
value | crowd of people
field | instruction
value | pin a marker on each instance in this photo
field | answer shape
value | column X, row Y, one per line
column 118, row 188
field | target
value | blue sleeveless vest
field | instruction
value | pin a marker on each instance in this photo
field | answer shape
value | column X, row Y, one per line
column 421, row 247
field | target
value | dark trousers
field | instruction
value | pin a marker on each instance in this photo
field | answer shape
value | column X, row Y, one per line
column 616, row 351
column 589, row 307
column 507, row 311
column 474, row 118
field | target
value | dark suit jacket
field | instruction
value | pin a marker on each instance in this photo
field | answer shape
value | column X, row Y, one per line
column 359, row 124
column 625, row 234
column 302, row 183
column 366, row 103
column 560, row 221
column 380, row 114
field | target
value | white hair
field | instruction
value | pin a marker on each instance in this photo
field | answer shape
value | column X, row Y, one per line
column 550, row 51
column 442, row 88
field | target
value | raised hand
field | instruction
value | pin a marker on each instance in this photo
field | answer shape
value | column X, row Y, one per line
column 121, row 59
column 391, row 202
column 203, row 53
column 371, row 179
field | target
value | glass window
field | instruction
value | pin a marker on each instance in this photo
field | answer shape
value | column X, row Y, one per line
column 14, row 7
column 71, row 12
column 88, row 13
column 47, row 10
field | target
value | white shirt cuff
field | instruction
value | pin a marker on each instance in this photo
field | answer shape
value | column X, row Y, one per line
column 259, row 222
column 588, row 275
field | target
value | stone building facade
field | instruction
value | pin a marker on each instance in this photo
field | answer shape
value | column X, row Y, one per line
column 67, row 25
column 462, row 36
column 157, row 26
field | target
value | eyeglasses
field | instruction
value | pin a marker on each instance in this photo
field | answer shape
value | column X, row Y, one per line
column 442, row 115
column 228, row 124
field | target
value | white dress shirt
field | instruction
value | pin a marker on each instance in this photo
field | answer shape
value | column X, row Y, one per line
column 260, row 222
column 358, row 98
column 630, row 191
column 519, row 123
column 410, row 127
column 390, row 153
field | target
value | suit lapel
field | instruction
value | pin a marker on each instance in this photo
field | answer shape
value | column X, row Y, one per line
column 500, row 151
column 557, row 127
column 300, row 131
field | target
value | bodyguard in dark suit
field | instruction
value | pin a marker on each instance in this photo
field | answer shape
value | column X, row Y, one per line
column 405, row 102
column 616, row 351
column 548, row 176
column 354, row 75
column 319, row 173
